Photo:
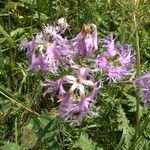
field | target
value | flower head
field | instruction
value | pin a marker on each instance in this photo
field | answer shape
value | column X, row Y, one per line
column 76, row 94
column 48, row 50
column 85, row 43
column 73, row 110
column 116, row 61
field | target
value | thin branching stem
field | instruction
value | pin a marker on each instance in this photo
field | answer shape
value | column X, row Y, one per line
column 19, row 104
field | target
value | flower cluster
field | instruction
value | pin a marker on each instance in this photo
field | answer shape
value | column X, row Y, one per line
column 48, row 51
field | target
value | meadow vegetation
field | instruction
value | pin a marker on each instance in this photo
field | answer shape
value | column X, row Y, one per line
column 30, row 120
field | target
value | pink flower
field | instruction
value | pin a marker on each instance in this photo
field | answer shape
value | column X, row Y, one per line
column 75, row 111
column 116, row 62
column 85, row 43
column 48, row 50
column 76, row 100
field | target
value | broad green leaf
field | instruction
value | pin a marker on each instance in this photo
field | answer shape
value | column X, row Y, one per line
column 2, row 40
column 17, row 31
column 10, row 146
column 86, row 144
column 43, row 17
column 7, row 36
column 5, row 106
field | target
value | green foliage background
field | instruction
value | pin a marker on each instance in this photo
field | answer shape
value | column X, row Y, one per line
column 31, row 121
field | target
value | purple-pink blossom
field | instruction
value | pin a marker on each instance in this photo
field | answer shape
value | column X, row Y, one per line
column 48, row 51
column 76, row 94
column 117, row 61
column 29, row 47
column 74, row 110
column 85, row 43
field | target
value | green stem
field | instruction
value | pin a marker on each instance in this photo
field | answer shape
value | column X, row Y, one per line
column 18, row 103
column 16, row 130
column 138, row 72
column 137, row 47
column 9, row 24
column 31, row 28
column 39, row 6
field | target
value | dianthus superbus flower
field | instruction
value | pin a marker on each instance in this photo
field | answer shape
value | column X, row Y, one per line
column 85, row 43
column 117, row 61
column 48, row 50
column 74, row 110
column 76, row 94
